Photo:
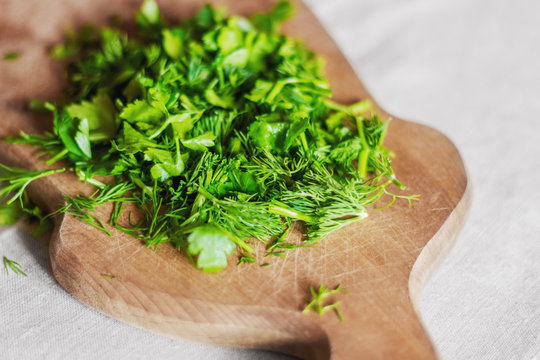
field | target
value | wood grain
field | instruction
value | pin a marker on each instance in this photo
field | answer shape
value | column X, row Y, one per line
column 383, row 261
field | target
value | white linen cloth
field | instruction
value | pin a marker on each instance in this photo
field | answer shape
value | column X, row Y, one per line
column 470, row 68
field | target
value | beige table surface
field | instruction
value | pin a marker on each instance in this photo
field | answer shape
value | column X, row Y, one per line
column 470, row 68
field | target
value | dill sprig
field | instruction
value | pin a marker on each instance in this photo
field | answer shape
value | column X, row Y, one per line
column 82, row 206
column 14, row 266
column 16, row 180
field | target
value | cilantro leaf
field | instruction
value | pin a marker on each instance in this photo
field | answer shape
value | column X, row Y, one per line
column 212, row 245
column 99, row 114
column 75, row 135
column 173, row 42
column 201, row 142
column 148, row 14
column 295, row 130
column 141, row 111
column 166, row 164
column 269, row 136
column 133, row 141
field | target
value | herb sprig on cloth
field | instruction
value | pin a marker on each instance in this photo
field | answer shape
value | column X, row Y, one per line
column 219, row 129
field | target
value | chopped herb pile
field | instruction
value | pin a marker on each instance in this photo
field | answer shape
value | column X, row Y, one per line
column 219, row 129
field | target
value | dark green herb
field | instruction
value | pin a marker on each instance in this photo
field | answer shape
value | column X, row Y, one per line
column 246, row 259
column 218, row 129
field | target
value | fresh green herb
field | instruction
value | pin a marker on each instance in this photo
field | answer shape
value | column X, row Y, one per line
column 82, row 206
column 246, row 259
column 108, row 277
column 10, row 213
column 219, row 130
column 35, row 216
column 280, row 246
column 14, row 201
column 11, row 56
column 212, row 244
column 14, row 266
column 16, row 180
column 320, row 298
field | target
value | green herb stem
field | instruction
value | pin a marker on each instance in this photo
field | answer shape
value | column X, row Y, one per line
column 282, row 209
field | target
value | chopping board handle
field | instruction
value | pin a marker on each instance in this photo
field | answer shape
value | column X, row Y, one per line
column 395, row 333
column 406, row 341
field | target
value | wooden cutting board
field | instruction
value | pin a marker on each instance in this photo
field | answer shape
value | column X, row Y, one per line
column 382, row 261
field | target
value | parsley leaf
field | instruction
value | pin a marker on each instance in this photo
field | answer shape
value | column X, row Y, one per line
column 211, row 244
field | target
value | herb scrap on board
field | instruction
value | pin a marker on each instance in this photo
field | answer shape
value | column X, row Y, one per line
column 320, row 303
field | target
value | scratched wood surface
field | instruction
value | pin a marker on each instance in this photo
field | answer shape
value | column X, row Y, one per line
column 382, row 261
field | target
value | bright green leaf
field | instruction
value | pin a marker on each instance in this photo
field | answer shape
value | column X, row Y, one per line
column 296, row 129
column 133, row 141
column 237, row 58
column 100, row 114
column 229, row 39
column 148, row 14
column 201, row 142
column 224, row 101
column 166, row 164
column 269, row 136
column 74, row 134
column 173, row 42
column 82, row 138
column 141, row 111
column 212, row 245
column 184, row 121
